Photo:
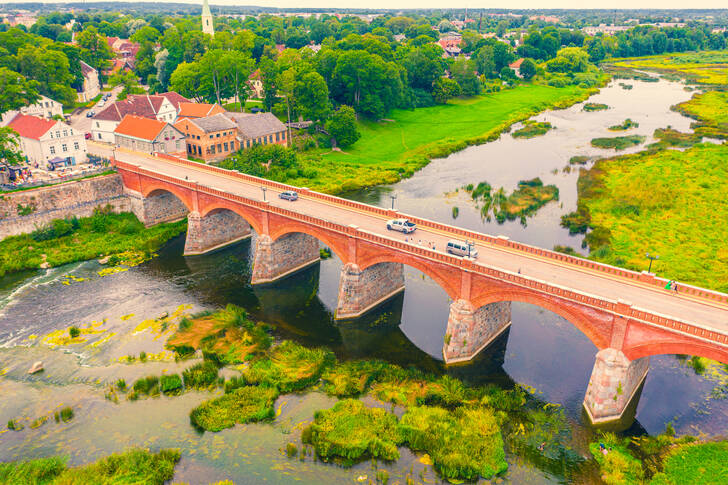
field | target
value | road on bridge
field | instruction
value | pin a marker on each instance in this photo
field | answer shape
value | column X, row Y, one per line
column 707, row 314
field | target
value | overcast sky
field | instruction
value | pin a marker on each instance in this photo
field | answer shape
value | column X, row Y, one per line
column 515, row 4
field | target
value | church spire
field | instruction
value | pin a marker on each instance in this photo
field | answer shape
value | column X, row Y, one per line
column 207, row 26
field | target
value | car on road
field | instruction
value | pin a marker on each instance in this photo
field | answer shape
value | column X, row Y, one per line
column 90, row 114
column 401, row 225
column 461, row 248
column 101, row 103
column 288, row 195
column 87, row 135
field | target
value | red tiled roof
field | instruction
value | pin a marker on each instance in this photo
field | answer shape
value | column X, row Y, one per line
column 31, row 126
column 198, row 110
column 135, row 104
column 139, row 127
column 517, row 64
column 174, row 98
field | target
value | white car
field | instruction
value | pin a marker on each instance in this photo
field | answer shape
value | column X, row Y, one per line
column 461, row 248
column 401, row 225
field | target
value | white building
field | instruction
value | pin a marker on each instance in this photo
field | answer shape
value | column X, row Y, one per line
column 91, row 87
column 44, row 108
column 43, row 141
column 207, row 26
column 162, row 107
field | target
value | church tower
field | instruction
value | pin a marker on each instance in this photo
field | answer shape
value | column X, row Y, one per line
column 207, row 26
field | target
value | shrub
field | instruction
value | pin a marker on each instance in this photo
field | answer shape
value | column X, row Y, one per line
column 74, row 332
column 121, row 384
column 66, row 414
column 290, row 367
column 143, row 356
column 171, row 384
column 243, row 405
column 147, row 385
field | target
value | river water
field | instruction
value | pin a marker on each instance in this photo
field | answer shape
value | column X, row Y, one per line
column 542, row 352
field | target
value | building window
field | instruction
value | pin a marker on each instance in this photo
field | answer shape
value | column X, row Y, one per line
column 53, row 150
column 65, row 133
column 64, row 147
column 226, row 146
column 212, row 149
column 97, row 124
column 211, row 136
column 51, row 135
column 75, row 145
column 219, row 148
column 218, row 135
column 58, row 134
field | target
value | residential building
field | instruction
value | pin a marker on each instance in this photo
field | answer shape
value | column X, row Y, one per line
column 162, row 107
column 91, row 87
column 45, row 141
column 149, row 135
column 209, row 138
column 207, row 25
column 44, row 108
column 258, row 129
column 516, row 66
column 255, row 84
column 198, row 110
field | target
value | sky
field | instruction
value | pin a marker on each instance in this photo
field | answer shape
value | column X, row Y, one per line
column 504, row 4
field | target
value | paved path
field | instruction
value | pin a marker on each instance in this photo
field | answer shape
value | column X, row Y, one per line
column 711, row 315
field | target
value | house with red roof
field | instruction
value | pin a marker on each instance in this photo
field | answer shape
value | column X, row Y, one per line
column 198, row 110
column 149, row 135
column 162, row 107
column 516, row 66
column 45, row 141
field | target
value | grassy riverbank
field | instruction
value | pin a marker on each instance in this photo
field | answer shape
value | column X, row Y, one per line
column 67, row 241
column 706, row 67
column 392, row 149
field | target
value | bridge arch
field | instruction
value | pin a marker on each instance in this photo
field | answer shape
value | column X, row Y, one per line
column 675, row 346
column 452, row 288
column 155, row 190
column 581, row 317
column 248, row 215
column 337, row 244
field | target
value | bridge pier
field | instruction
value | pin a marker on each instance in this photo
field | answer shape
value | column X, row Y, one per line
column 155, row 209
column 284, row 256
column 470, row 330
column 614, row 383
column 214, row 231
column 362, row 290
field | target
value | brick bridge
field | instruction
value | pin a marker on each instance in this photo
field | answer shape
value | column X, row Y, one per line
column 627, row 315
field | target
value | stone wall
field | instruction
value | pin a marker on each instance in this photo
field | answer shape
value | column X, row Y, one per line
column 213, row 231
column 286, row 255
column 360, row 291
column 157, row 208
column 470, row 330
column 614, row 382
column 69, row 199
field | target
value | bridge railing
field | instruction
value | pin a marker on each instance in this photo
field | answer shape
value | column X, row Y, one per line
column 467, row 234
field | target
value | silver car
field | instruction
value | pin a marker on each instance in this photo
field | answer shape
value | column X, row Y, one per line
column 461, row 248
column 288, row 195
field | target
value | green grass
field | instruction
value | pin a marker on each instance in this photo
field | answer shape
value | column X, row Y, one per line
column 131, row 467
column 352, row 432
column 464, row 444
column 289, row 367
column 243, row 405
column 624, row 126
column 711, row 112
column 391, row 150
column 695, row 464
column 353, row 378
column 618, row 142
column 119, row 233
column 705, row 67
column 533, row 128
column 618, row 466
column 669, row 203
column 200, row 376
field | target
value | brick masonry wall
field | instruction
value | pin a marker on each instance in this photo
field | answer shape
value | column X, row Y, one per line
column 470, row 330
column 276, row 259
column 163, row 207
column 613, row 382
column 213, row 230
column 70, row 199
column 360, row 291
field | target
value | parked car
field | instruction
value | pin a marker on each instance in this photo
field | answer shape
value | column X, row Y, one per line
column 101, row 103
column 88, row 135
column 401, row 225
column 90, row 114
column 288, row 195
column 461, row 248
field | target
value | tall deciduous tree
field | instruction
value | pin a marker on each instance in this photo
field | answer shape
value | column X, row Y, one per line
column 312, row 96
column 342, row 126
column 15, row 90
column 94, row 49
column 9, row 148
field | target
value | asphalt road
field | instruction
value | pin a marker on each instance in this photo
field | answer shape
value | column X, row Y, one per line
column 655, row 300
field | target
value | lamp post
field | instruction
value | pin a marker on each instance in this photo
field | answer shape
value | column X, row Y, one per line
column 651, row 258
column 393, row 197
column 263, row 188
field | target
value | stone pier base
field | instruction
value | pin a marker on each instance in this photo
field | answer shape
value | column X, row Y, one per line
column 469, row 330
column 284, row 256
column 361, row 291
column 155, row 209
column 214, row 231
column 614, row 382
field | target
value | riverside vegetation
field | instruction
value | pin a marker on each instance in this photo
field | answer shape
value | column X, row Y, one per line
column 521, row 203
column 63, row 241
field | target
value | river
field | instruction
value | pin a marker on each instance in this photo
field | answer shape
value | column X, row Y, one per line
column 542, row 351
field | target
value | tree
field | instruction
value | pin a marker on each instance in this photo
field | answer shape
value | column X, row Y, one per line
column 9, row 147
column 569, row 59
column 463, row 71
column 94, row 49
column 422, row 69
column 15, row 90
column 444, row 89
column 129, row 81
column 312, row 96
column 528, row 69
column 342, row 126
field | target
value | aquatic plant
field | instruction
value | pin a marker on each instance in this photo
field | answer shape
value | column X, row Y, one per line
column 595, row 106
column 147, row 385
column 617, row 465
column 289, row 367
column 618, row 142
column 42, row 471
column 464, row 444
column 200, row 375
column 532, row 128
column 291, row 450
column 625, row 125
column 325, row 253
column 578, row 160
column 351, row 432
column 142, row 356
column 14, row 425
column 455, row 212
column 171, row 384
column 74, row 332
column 353, row 378
column 121, row 384
column 243, row 405
column 66, row 414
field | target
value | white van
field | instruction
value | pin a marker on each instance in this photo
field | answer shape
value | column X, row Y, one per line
column 460, row 248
